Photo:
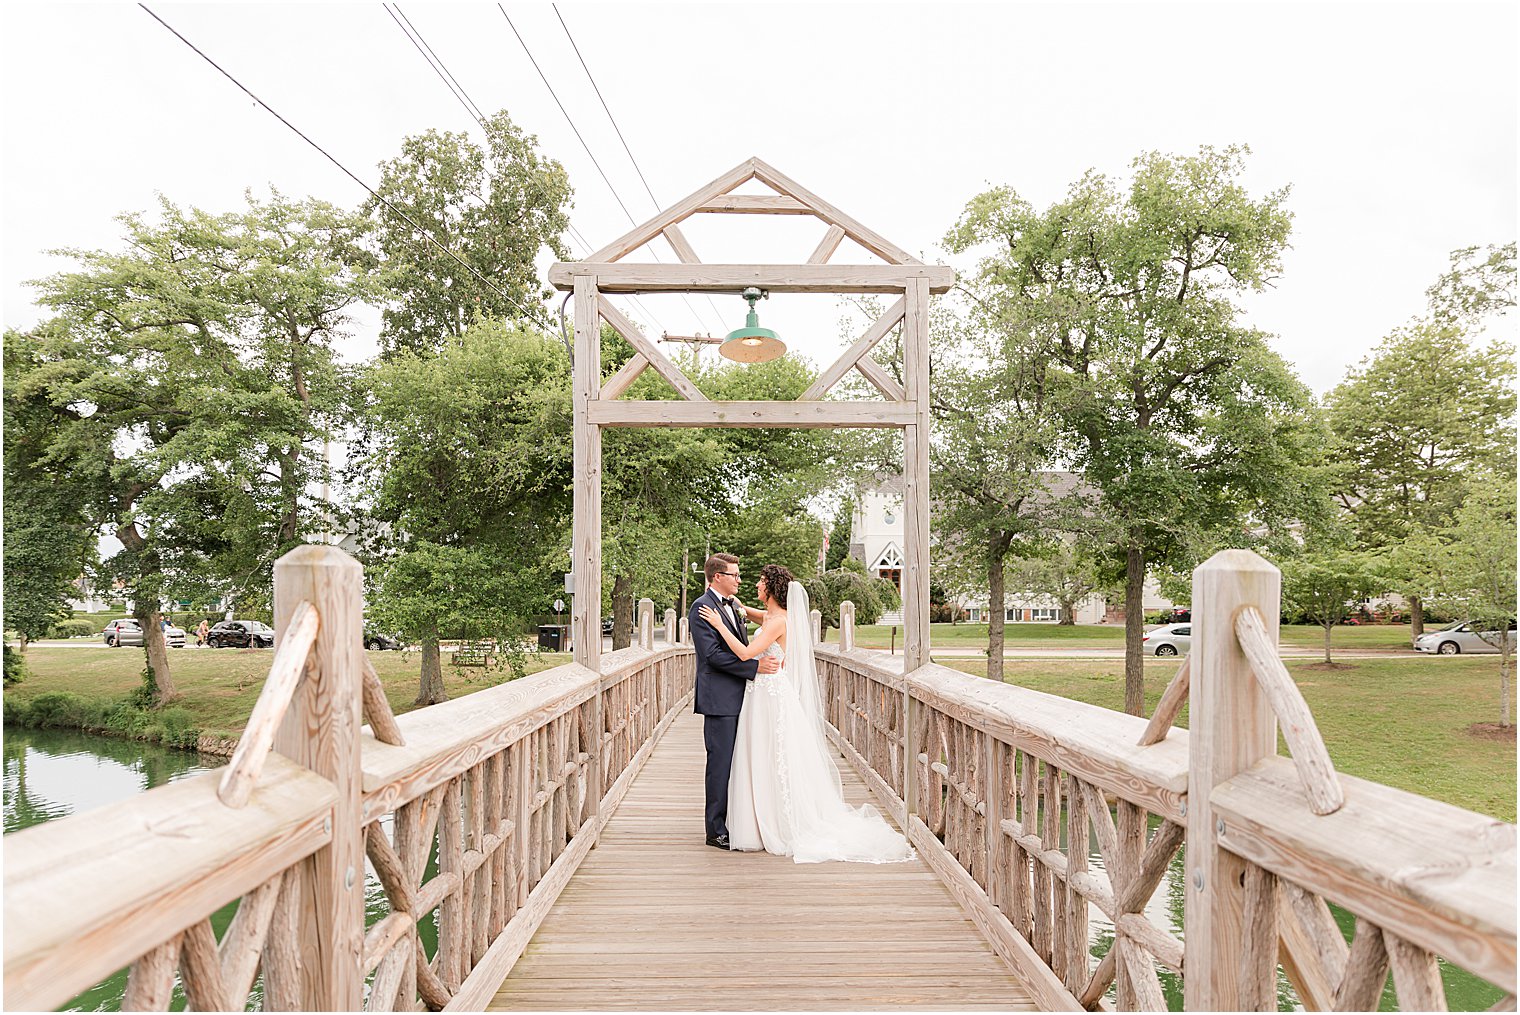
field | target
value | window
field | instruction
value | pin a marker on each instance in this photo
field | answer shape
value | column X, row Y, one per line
column 893, row 575
column 889, row 516
column 1045, row 613
column 1183, row 632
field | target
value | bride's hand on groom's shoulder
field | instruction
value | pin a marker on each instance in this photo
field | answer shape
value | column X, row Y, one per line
column 709, row 614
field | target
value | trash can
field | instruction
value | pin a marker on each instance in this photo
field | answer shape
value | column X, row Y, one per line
column 552, row 637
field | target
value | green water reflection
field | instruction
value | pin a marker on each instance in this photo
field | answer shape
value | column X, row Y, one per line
column 51, row 774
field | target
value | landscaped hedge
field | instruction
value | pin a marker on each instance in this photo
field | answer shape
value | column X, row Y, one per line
column 172, row 727
column 74, row 629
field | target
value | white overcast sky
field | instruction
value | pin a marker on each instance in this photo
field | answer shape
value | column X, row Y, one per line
column 1395, row 125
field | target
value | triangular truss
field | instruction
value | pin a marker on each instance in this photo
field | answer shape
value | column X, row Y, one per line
column 904, row 404
column 788, row 198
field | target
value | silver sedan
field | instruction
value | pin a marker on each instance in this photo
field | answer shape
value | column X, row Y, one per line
column 1169, row 640
column 1464, row 636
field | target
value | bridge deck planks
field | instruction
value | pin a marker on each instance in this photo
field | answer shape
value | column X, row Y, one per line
column 655, row 919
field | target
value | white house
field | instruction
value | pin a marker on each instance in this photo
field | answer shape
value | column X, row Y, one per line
column 876, row 540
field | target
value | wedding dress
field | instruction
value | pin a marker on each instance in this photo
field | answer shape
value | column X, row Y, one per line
column 784, row 791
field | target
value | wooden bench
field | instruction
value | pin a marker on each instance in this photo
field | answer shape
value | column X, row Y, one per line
column 475, row 653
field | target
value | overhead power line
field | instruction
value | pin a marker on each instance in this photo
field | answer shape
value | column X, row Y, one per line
column 613, row 120
column 452, row 83
column 579, row 137
column 344, row 169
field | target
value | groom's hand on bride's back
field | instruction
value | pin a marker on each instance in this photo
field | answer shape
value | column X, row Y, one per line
column 769, row 664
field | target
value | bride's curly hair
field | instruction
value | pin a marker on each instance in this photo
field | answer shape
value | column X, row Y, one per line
column 777, row 579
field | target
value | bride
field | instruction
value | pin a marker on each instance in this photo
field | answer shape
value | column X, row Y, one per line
column 784, row 792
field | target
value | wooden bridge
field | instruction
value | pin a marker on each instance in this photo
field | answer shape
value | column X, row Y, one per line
column 550, row 828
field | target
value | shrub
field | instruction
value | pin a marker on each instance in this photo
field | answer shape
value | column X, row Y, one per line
column 15, row 670
column 72, row 629
column 57, row 710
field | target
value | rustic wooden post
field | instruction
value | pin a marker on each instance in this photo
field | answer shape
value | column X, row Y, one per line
column 1231, row 726
column 670, row 626
column 815, row 624
column 646, row 624
column 846, row 626
column 682, row 633
column 915, row 577
column 321, row 731
column 586, row 538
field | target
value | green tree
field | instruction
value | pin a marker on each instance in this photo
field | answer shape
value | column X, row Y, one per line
column 1066, row 572
column 1184, row 420
column 840, row 531
column 465, row 462
column 195, row 384
column 496, row 208
column 1423, row 413
column 1475, row 573
column 1327, row 587
column 828, row 589
column 48, row 538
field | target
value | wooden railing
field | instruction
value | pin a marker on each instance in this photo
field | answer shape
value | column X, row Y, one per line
column 1003, row 790
column 473, row 814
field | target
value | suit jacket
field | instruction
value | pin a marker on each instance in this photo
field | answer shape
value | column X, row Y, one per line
column 721, row 675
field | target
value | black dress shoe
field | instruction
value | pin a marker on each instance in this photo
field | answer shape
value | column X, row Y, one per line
column 718, row 841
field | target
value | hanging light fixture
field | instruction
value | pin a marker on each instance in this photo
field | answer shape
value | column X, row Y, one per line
column 752, row 343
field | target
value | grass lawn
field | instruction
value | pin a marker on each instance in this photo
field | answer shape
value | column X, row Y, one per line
column 221, row 685
column 1084, row 636
column 1399, row 721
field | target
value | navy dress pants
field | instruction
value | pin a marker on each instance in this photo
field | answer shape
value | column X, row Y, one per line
column 718, row 732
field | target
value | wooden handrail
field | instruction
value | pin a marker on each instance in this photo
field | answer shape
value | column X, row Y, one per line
column 1169, row 707
column 242, row 773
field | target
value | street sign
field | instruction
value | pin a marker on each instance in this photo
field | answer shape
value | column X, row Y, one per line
column 570, row 582
column 559, row 606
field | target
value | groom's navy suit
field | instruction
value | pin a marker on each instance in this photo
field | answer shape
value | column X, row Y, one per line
column 721, row 678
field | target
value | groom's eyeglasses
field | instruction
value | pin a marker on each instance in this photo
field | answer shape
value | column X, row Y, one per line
column 729, row 574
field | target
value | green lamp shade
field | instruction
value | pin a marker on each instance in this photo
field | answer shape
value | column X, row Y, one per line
column 752, row 343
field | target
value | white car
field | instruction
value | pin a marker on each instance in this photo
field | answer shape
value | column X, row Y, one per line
column 1169, row 640
column 126, row 632
column 1454, row 639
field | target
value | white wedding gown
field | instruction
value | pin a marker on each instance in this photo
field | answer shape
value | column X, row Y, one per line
column 784, row 792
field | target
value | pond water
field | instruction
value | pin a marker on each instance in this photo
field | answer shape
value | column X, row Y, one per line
column 51, row 774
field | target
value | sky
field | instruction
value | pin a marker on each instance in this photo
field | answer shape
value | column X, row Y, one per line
column 1394, row 124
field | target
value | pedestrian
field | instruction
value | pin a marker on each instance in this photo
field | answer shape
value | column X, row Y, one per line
column 200, row 633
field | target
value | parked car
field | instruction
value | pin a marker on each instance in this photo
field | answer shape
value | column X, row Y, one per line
column 606, row 627
column 383, row 642
column 240, row 634
column 126, row 631
column 1454, row 639
column 1169, row 640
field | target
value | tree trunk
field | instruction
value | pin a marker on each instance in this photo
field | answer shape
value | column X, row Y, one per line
column 23, row 641
column 1068, row 609
column 622, row 611
column 1504, row 658
column 430, row 689
column 1416, row 619
column 1134, row 630
column 996, row 615
column 158, row 655
column 1328, row 628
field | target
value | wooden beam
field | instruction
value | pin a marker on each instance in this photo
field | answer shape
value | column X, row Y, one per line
column 683, row 249
column 916, row 477
column 800, row 414
column 777, row 278
column 841, row 366
column 646, row 231
column 756, row 204
column 868, row 238
column 624, row 378
column 586, row 439
column 662, row 366
column 827, row 246
column 884, row 382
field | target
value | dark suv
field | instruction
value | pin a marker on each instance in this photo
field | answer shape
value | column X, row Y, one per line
column 240, row 634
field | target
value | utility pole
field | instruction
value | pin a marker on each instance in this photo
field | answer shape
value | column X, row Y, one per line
column 685, row 574
column 695, row 342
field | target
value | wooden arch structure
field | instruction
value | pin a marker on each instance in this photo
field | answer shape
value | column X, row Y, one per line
column 598, row 403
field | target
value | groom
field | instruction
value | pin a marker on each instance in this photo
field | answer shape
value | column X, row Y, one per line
column 721, row 678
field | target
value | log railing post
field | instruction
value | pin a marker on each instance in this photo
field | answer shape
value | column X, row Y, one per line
column 683, row 635
column 646, row 624
column 815, row 624
column 321, row 731
column 670, row 626
column 846, row 626
column 1231, row 726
